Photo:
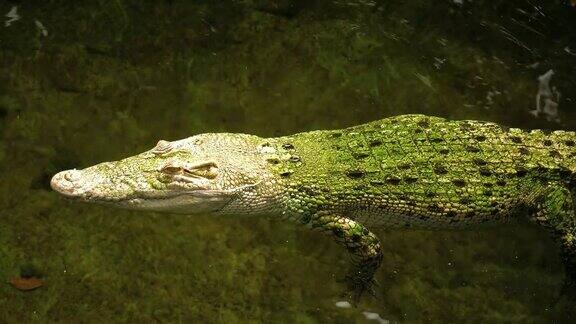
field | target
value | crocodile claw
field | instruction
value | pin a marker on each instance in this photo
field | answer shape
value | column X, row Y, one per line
column 356, row 287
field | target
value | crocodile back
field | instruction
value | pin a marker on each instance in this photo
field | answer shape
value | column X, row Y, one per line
column 412, row 168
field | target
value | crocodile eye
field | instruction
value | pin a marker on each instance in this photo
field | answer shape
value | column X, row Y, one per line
column 170, row 169
column 162, row 147
column 208, row 173
column 207, row 170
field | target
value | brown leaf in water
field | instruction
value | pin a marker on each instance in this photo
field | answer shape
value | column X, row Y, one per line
column 26, row 284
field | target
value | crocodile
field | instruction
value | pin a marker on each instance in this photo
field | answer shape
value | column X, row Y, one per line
column 408, row 171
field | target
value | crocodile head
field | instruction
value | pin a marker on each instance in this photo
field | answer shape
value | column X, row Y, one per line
column 199, row 174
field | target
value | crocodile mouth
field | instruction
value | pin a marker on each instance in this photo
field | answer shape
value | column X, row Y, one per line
column 166, row 195
column 70, row 185
column 188, row 202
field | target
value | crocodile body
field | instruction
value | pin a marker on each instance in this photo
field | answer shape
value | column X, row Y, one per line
column 404, row 171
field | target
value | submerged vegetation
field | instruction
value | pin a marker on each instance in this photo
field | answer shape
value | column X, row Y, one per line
column 98, row 81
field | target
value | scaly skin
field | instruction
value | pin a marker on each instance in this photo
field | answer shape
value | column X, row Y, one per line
column 404, row 171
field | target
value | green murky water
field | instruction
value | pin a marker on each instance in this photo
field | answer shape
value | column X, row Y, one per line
column 84, row 83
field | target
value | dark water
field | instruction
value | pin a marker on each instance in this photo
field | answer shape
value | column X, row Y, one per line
column 85, row 83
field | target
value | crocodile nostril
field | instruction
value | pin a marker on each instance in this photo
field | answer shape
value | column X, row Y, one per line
column 68, row 182
column 72, row 175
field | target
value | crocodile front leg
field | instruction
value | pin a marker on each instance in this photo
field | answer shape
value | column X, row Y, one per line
column 555, row 211
column 363, row 246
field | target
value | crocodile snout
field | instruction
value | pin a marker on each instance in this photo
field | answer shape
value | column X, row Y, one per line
column 68, row 183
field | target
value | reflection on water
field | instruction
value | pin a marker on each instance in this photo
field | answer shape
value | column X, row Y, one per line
column 547, row 98
column 92, row 82
column 11, row 16
column 368, row 315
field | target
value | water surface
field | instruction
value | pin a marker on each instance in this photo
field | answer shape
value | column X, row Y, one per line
column 85, row 83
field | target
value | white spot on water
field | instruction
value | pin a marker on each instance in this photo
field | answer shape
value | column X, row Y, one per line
column 547, row 98
column 424, row 79
column 41, row 27
column 368, row 315
column 12, row 16
column 343, row 304
column 490, row 95
column 376, row 317
column 438, row 62
column 570, row 51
